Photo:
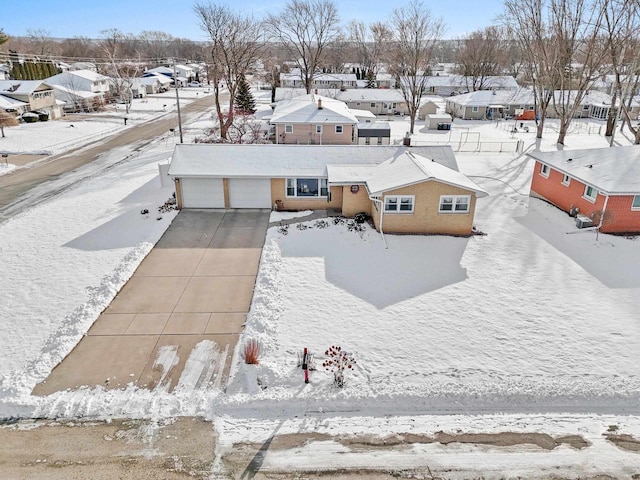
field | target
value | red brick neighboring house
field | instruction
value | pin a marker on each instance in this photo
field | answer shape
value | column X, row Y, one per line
column 603, row 183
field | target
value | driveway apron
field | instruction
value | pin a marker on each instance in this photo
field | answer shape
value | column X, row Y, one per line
column 177, row 320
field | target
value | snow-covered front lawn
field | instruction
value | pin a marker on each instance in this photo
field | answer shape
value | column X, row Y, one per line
column 532, row 314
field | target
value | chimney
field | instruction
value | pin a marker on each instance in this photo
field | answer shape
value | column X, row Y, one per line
column 319, row 104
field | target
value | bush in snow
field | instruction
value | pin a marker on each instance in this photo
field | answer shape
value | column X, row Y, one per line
column 251, row 352
column 338, row 362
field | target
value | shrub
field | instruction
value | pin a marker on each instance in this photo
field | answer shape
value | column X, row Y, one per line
column 251, row 352
column 338, row 362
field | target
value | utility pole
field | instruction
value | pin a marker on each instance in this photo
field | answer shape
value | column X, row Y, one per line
column 175, row 83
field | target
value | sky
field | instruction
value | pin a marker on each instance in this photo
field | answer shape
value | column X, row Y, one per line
column 74, row 18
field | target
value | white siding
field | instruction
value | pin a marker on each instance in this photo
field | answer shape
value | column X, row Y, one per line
column 250, row 193
column 202, row 193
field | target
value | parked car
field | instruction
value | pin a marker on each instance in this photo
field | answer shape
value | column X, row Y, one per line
column 194, row 84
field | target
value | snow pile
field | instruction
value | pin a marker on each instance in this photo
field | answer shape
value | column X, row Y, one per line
column 64, row 260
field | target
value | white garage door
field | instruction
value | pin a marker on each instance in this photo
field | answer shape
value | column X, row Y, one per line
column 202, row 193
column 250, row 193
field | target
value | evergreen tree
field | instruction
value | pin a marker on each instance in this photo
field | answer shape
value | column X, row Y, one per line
column 15, row 72
column 244, row 98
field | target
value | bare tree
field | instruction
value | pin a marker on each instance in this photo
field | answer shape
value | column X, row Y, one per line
column 621, row 22
column 236, row 44
column 370, row 43
column 527, row 25
column 79, row 47
column 7, row 120
column 116, row 45
column 155, row 45
column 41, row 41
column 305, row 29
column 415, row 33
column 576, row 29
column 482, row 55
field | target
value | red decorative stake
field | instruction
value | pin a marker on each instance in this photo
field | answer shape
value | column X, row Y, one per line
column 305, row 365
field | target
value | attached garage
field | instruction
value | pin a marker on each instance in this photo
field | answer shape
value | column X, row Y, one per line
column 250, row 193
column 202, row 193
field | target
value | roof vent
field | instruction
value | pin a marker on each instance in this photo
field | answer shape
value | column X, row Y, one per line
column 319, row 104
column 569, row 159
column 589, row 166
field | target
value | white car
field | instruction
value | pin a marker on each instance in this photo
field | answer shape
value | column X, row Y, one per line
column 194, row 84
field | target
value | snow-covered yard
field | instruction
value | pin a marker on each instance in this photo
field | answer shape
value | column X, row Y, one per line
column 526, row 315
column 532, row 317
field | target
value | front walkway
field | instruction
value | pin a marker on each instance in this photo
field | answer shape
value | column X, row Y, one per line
column 186, row 304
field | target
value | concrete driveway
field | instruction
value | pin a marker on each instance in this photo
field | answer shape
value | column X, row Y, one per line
column 186, row 304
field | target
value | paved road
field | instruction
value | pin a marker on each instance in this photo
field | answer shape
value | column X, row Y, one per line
column 14, row 185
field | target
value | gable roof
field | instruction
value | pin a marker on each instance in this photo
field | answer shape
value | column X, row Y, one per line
column 483, row 98
column 87, row 74
column 614, row 171
column 305, row 109
column 11, row 103
column 21, row 87
column 280, row 161
column 409, row 168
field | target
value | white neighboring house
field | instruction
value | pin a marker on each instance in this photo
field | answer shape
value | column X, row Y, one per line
column 447, row 85
column 154, row 84
column 320, row 80
column 82, row 81
column 490, row 105
column 4, row 72
column 187, row 72
column 77, row 100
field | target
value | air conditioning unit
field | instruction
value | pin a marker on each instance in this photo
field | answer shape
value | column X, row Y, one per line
column 583, row 222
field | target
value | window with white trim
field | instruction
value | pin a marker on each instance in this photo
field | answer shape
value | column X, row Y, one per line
column 454, row 203
column 566, row 180
column 399, row 203
column 319, row 129
column 636, row 203
column 373, row 104
column 288, row 129
column 544, row 170
column 307, row 187
column 474, row 109
column 338, row 129
column 590, row 193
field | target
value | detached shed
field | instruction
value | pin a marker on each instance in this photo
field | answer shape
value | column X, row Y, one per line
column 374, row 133
column 439, row 121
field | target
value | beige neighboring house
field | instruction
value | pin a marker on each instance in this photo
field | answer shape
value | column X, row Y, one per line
column 156, row 83
column 37, row 94
column 315, row 120
column 416, row 190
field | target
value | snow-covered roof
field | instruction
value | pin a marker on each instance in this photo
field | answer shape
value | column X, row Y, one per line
column 409, row 168
column 483, row 98
column 350, row 174
column 614, row 171
column 280, row 161
column 21, row 87
column 87, row 74
column 306, row 109
column 161, row 70
column 362, row 113
column 287, row 93
column 11, row 103
column 158, row 76
column 61, row 91
column 328, row 77
column 370, row 95
column 497, row 81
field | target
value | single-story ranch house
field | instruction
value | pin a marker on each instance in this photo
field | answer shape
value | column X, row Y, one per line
column 602, row 183
column 404, row 189
column 490, row 105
